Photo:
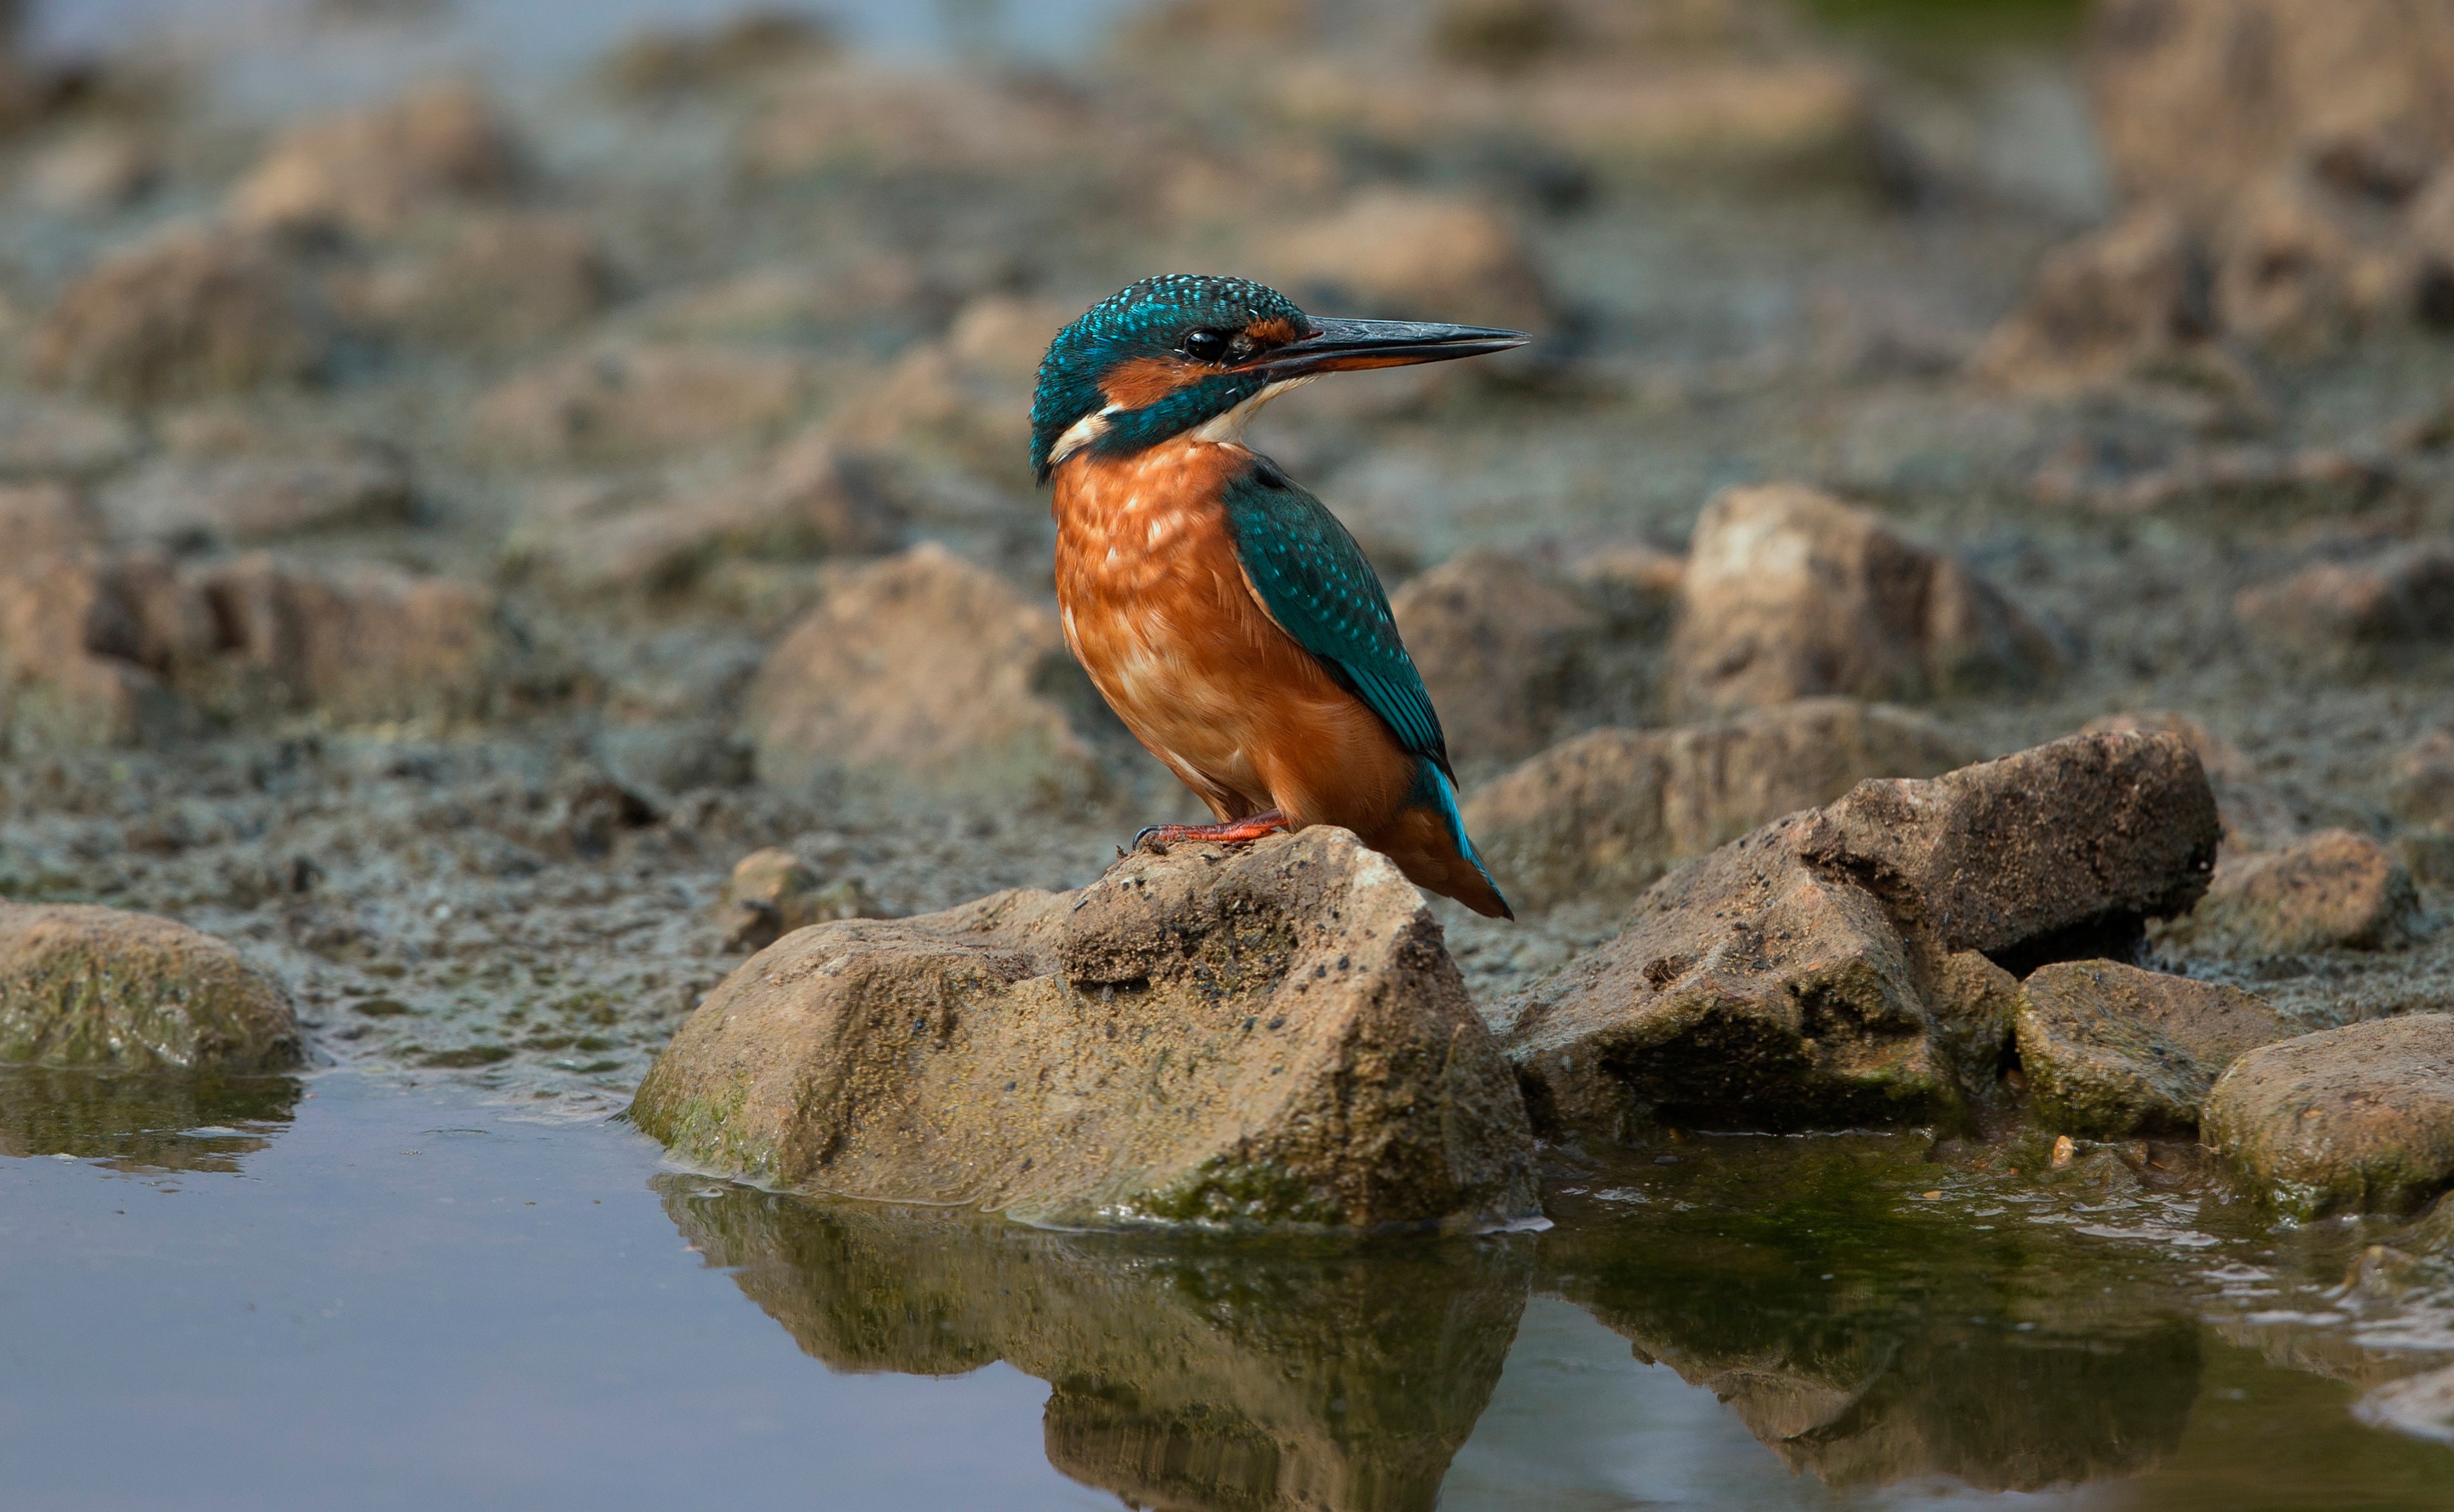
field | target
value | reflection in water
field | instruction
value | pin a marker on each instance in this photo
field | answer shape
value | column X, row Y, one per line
column 1868, row 1338
column 143, row 1120
column 1182, row 1375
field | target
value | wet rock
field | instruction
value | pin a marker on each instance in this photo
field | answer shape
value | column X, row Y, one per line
column 491, row 281
column 2255, row 816
column 350, row 640
column 809, row 501
column 1506, row 650
column 82, row 986
column 2358, row 1119
column 145, row 1120
column 1264, row 1035
column 2106, row 306
column 369, row 172
column 2111, row 1051
column 772, row 892
column 1600, row 817
column 2196, row 99
column 191, row 314
column 2333, row 890
column 2361, row 613
column 1222, row 1377
column 927, row 668
column 632, row 403
column 1411, row 256
column 1749, row 989
column 1790, row 593
column 2083, row 839
column 190, row 503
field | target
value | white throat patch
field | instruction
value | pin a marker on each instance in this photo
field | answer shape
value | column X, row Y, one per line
column 1227, row 429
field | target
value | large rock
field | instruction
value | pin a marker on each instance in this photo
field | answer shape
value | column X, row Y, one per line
column 1508, row 652
column 1265, row 1035
column 1750, row 989
column 1834, row 966
column 1411, row 256
column 2332, row 890
column 1216, row 1377
column 1600, row 817
column 923, row 668
column 2358, row 1119
column 197, row 502
column 2359, row 613
column 1790, row 593
column 82, row 986
column 2255, row 816
column 191, row 314
column 370, row 170
column 2110, row 1051
column 2032, row 857
column 632, row 403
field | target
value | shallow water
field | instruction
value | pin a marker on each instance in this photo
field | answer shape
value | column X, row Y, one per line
column 357, row 1291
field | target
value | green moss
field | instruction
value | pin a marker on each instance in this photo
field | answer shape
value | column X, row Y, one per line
column 1221, row 1190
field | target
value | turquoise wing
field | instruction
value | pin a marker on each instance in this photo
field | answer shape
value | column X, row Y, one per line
column 1315, row 582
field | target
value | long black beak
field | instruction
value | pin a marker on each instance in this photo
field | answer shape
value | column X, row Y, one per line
column 1343, row 346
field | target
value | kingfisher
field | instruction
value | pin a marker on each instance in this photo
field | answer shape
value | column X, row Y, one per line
column 1222, row 611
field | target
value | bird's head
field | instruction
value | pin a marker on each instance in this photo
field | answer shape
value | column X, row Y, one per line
column 1184, row 351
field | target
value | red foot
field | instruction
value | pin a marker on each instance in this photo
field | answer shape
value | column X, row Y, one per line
column 1236, row 833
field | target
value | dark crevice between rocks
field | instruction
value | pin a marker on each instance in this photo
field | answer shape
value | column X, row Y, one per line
column 2120, row 937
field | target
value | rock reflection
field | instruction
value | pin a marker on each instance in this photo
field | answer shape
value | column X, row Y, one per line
column 140, row 1121
column 1867, row 1339
column 1182, row 1373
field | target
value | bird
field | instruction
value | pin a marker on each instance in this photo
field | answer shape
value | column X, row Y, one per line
column 1222, row 611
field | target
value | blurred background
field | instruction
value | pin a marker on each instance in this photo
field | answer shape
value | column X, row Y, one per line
column 471, row 471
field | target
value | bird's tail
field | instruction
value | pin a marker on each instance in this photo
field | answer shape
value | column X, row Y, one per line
column 1474, row 889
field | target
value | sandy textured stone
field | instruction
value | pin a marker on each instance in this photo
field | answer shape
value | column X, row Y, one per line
column 2332, row 890
column 923, row 668
column 193, row 312
column 1598, row 817
column 1222, row 1377
column 2081, row 839
column 1264, row 1035
column 2358, row 1119
column 1790, row 593
column 772, row 892
column 82, row 986
column 1748, row 989
column 632, row 403
column 2110, row 1051
column 368, row 172
column 2255, row 816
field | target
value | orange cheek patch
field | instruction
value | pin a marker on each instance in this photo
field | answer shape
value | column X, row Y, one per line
column 1145, row 381
column 1276, row 331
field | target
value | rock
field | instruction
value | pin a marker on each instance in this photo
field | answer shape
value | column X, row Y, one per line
column 1256, row 1036
column 2255, row 816
column 742, row 50
column 808, row 500
column 47, row 436
column 94, row 171
column 2423, row 778
column 1747, row 989
column 350, row 640
column 494, row 281
column 186, row 504
column 2358, row 1119
column 2111, row 1051
column 87, row 644
column 82, row 986
column 1411, row 256
column 1766, row 113
column 2356, row 614
column 771, row 893
column 923, row 668
column 2300, row 268
column 857, row 118
column 1275, row 1376
column 2198, row 99
column 38, row 520
column 1600, row 817
column 628, row 403
column 368, row 171
column 2037, row 855
column 1507, row 651
column 2106, row 306
column 193, row 313
column 2333, row 890
column 1790, row 593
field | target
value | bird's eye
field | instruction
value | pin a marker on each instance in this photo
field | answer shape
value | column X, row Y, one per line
column 1205, row 346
